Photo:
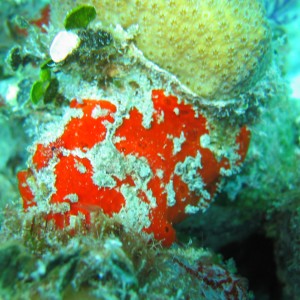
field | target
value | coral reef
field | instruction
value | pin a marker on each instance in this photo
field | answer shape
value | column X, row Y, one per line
column 12, row 144
column 108, row 262
column 136, row 116
column 216, row 48
column 285, row 231
column 264, row 197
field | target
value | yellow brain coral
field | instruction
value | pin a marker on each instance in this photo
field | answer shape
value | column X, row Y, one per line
column 215, row 47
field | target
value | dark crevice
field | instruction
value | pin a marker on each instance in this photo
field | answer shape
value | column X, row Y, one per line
column 254, row 258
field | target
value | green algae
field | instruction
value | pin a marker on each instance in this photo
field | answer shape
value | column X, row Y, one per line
column 80, row 17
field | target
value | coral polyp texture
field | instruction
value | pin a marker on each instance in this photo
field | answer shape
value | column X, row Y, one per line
column 218, row 49
column 149, row 176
